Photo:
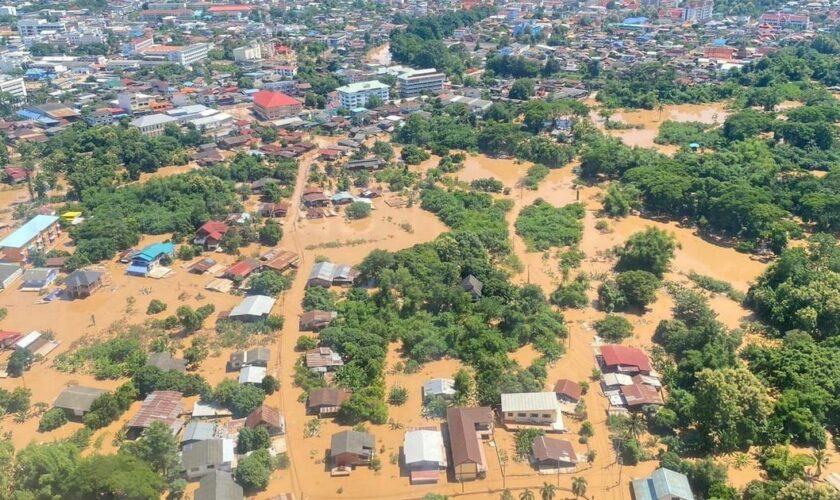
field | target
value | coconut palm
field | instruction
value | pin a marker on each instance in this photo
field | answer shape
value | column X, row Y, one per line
column 548, row 491
column 506, row 495
column 820, row 460
column 636, row 424
column 527, row 495
column 579, row 486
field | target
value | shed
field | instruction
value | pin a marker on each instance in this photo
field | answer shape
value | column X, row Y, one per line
column 76, row 400
column 199, row 431
column 252, row 374
column 258, row 356
column 567, row 391
column 438, row 387
column 9, row 273
column 252, row 308
column 473, row 286
column 323, row 359
column 424, row 455
column 218, row 485
column 351, row 448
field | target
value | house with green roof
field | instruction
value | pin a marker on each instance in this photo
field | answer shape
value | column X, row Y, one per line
column 144, row 261
column 663, row 484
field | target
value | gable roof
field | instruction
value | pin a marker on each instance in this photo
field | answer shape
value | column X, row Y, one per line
column 327, row 396
column 619, row 355
column 663, row 483
column 568, row 388
column 27, row 232
column 82, row 277
column 272, row 99
column 358, row 443
column 77, row 398
column 209, row 451
column 529, row 401
column 265, row 415
column 553, row 449
column 462, row 437
column 159, row 406
column 253, row 305
column 423, row 445
column 218, row 485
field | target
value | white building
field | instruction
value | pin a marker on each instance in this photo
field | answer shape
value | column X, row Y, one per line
column 356, row 95
column 37, row 27
column 13, row 86
column 698, row 11
column 539, row 409
column 153, row 125
column 416, row 82
column 134, row 102
column 190, row 54
column 8, row 10
column 251, row 52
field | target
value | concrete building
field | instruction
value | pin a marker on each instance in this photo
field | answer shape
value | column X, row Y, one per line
column 13, row 86
column 698, row 11
column 134, row 102
column 29, row 28
column 270, row 105
column 189, row 54
column 356, row 95
column 251, row 52
column 8, row 11
column 38, row 234
column 153, row 125
column 416, row 82
column 537, row 409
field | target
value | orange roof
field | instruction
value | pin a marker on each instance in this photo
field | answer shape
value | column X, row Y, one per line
column 230, row 8
column 271, row 99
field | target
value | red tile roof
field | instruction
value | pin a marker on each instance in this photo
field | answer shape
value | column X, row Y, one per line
column 619, row 355
column 271, row 99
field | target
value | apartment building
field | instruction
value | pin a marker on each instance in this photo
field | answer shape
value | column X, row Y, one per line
column 37, row 27
column 134, row 102
column 251, row 52
column 190, row 54
column 356, row 95
column 13, row 86
column 419, row 81
column 698, row 11
column 153, row 125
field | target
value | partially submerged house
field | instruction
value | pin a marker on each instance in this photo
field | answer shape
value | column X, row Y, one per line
column 159, row 406
column 327, row 274
column 199, row 430
column 252, row 308
column 466, row 429
column 638, row 395
column 532, row 409
column 351, row 448
column 473, row 286
column 205, row 457
column 146, row 260
column 218, row 485
column 9, row 273
column 81, row 283
column 553, row 456
column 242, row 269
column 210, row 234
column 252, row 374
column 76, row 400
column 663, row 484
column 444, row 387
column 39, row 233
column 567, row 391
column 313, row 321
column 326, row 401
column 38, row 278
column 258, row 356
column 267, row 417
column 623, row 359
column 165, row 361
column 425, row 455
column 323, row 359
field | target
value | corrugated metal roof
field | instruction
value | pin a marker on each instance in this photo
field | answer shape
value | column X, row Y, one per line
column 253, row 305
column 423, row 446
column 27, row 232
column 529, row 401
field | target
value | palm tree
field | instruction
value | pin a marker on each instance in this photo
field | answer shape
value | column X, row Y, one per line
column 636, row 424
column 527, row 495
column 820, row 460
column 579, row 486
column 506, row 495
column 548, row 491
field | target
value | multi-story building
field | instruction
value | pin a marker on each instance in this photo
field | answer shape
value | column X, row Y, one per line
column 416, row 82
column 36, row 27
column 39, row 233
column 137, row 45
column 356, row 95
column 13, row 86
column 189, row 54
column 153, row 125
column 8, row 10
column 270, row 105
column 786, row 20
column 698, row 11
column 251, row 52
column 135, row 102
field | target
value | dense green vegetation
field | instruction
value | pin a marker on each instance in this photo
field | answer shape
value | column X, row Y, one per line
column 544, row 226
column 685, row 133
column 475, row 213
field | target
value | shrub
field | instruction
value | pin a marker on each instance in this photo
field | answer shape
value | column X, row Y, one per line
column 614, row 328
column 186, row 252
column 254, row 470
column 52, row 419
column 398, row 395
column 638, row 287
column 358, row 210
column 573, row 294
column 155, row 307
column 305, row 343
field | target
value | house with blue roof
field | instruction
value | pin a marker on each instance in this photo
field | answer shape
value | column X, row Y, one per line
column 39, row 233
column 144, row 261
column 663, row 484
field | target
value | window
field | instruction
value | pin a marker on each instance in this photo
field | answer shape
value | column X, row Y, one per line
column 546, row 415
column 520, row 414
column 535, row 415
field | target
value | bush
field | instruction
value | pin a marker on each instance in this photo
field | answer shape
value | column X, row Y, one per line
column 19, row 362
column 614, row 328
column 631, row 452
column 610, row 297
column 650, row 250
column 52, row 419
column 305, row 343
column 271, row 233
column 254, row 470
column 398, row 395
column 534, row 175
column 270, row 384
column 638, row 287
column 358, row 210
column 251, row 439
column 155, row 307
column 544, row 226
column 186, row 252
column 488, row 185
column 573, row 294
column 413, row 155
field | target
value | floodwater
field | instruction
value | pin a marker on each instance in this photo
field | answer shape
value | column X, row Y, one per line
column 647, row 122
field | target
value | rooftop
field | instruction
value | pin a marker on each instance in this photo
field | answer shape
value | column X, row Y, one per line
column 27, row 232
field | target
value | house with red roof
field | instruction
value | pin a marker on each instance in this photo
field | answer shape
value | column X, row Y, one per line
column 242, row 269
column 623, row 359
column 210, row 234
column 271, row 105
column 15, row 175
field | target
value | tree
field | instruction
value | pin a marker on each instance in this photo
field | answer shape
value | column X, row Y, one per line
column 527, row 495
column 159, row 448
column 398, row 395
column 731, row 407
column 579, row 486
column 155, row 306
column 383, row 150
column 464, row 388
column 521, row 89
column 269, row 283
column 114, row 476
column 251, row 439
column 254, row 470
column 650, row 250
column 548, row 491
column 241, row 399
column 614, row 328
column 52, row 419
column 820, row 458
column 19, row 362
column 197, row 352
column 358, row 210
column 638, row 287
column 270, row 384
column 270, row 233
column 610, row 297
column 413, row 155
column 44, row 469
column 506, row 495
column 190, row 319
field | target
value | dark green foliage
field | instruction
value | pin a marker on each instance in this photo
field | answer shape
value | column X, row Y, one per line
column 631, row 452
column 614, row 328
column 544, row 226
column 638, row 287
column 440, row 133
column 475, row 213
column 19, row 362
column 251, row 439
column 305, row 343
column 534, row 175
column 241, row 399
column 398, row 395
column 158, row 447
column 524, row 441
column 704, row 475
column 619, row 200
column 366, row 404
column 358, row 210
column 319, row 298
column 114, row 476
column 151, row 378
column 522, row 89
column 270, row 384
column 610, row 297
column 110, row 406
column 111, row 359
column 648, row 85
column 254, row 470
column 269, row 283
column 488, row 185
column 155, row 307
column 271, row 233
column 16, row 400
column 52, row 419
column 650, row 250
column 685, row 133
column 572, row 294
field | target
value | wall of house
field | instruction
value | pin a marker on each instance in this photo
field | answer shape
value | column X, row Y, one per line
column 541, row 417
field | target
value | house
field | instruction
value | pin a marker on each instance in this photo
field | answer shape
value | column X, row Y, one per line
column 623, row 359
column 567, row 391
column 81, row 283
column 323, row 359
column 205, row 457
column 467, row 427
column 242, row 269
column 15, row 175
column 252, row 374
column 252, row 308
column 199, row 430
column 637, row 395
column 218, row 485
column 313, row 321
column 527, row 409
column 327, row 274
column 271, row 105
column 8, row 339
column 258, row 356
column 159, row 406
column 35, row 343
column 210, row 234
column 202, row 266
column 267, row 417
column 166, row 362
column 553, row 456
column 143, row 262
column 76, row 400
column 153, row 125
column 373, row 163
column 314, row 197
column 274, row 210
column 351, row 448
column 663, row 484
column 38, row 278
column 425, row 455
column 473, row 286
column 39, row 233
column 326, row 401
column 9, row 273
column 444, row 387
column 280, row 260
